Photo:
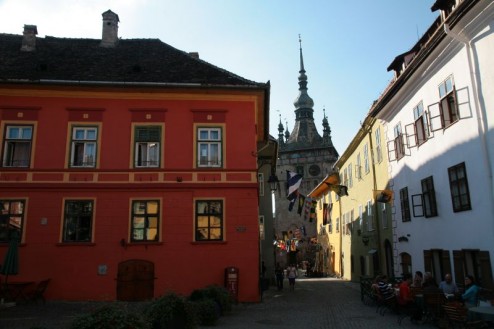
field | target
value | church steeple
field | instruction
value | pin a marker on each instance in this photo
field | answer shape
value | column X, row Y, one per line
column 281, row 140
column 326, row 130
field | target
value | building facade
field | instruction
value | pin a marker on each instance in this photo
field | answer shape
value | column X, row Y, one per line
column 358, row 225
column 439, row 130
column 126, row 167
column 305, row 152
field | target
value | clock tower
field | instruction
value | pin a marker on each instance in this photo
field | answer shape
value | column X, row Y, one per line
column 303, row 151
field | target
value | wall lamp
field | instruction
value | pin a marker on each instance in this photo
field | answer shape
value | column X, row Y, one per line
column 273, row 182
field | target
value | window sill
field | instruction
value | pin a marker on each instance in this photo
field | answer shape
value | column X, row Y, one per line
column 138, row 244
column 207, row 242
column 76, row 244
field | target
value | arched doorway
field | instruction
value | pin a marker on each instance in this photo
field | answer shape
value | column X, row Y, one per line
column 135, row 280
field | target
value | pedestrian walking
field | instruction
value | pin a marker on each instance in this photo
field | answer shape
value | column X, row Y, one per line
column 292, row 274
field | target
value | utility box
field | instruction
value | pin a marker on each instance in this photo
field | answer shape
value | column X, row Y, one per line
column 231, row 281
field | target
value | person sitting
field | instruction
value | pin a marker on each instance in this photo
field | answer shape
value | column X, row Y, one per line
column 406, row 300
column 471, row 295
column 405, row 297
column 417, row 279
column 385, row 290
column 448, row 286
column 429, row 285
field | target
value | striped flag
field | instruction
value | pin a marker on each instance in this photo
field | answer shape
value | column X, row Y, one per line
column 293, row 180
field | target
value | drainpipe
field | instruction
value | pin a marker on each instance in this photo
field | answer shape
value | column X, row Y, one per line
column 479, row 106
column 375, row 207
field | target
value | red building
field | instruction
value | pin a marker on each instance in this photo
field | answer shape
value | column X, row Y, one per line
column 128, row 167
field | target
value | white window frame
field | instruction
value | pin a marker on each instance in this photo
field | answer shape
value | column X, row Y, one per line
column 208, row 146
column 421, row 124
column 87, row 142
column 366, row 158
column 384, row 215
column 260, row 180
column 379, row 154
column 13, row 155
column 147, row 152
column 370, row 217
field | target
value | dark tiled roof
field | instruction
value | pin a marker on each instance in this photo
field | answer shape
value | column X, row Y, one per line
column 131, row 61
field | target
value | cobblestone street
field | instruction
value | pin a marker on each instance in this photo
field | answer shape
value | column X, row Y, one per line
column 321, row 303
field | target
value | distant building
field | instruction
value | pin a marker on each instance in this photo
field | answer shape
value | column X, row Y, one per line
column 303, row 151
column 127, row 167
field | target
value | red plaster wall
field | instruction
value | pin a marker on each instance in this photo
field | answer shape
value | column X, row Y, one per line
column 181, row 265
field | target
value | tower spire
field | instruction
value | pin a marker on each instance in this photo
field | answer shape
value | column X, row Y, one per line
column 303, row 103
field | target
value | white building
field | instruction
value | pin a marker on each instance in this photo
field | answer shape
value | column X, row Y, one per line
column 439, row 125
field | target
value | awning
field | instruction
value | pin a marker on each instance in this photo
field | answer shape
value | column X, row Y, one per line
column 372, row 251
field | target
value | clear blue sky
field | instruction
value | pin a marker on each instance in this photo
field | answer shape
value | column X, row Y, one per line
column 347, row 45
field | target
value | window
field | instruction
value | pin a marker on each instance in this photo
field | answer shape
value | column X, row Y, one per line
column 209, row 145
column 366, row 158
column 458, row 183
column 370, row 219
column 350, row 176
column 438, row 262
column 448, row 104
column 358, row 168
column 209, row 220
column 17, row 146
column 429, row 197
column 260, row 180
column 379, row 153
column 147, row 146
column 361, row 216
column 83, row 147
column 473, row 262
column 337, row 224
column 78, row 220
column 421, row 125
column 145, row 220
column 384, row 215
column 399, row 146
column 405, row 205
column 11, row 218
column 406, row 263
column 345, row 176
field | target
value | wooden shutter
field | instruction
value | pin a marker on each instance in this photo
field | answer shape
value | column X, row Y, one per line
column 485, row 270
column 391, row 151
column 458, row 260
column 428, row 261
column 436, row 121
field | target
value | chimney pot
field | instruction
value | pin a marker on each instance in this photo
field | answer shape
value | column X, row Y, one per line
column 194, row 54
column 29, row 38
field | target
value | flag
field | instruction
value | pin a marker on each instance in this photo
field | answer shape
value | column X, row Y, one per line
column 301, row 202
column 308, row 204
column 293, row 181
column 313, row 211
column 384, row 196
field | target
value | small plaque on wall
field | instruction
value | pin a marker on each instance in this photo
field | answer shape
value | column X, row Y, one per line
column 102, row 269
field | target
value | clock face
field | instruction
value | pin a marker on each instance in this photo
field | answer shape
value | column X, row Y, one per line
column 314, row 170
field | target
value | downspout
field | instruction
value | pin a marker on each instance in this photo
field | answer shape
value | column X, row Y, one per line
column 479, row 107
column 375, row 207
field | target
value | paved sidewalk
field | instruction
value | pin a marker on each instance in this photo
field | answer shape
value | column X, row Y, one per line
column 321, row 303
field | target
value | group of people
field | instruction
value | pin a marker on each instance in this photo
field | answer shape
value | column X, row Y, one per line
column 291, row 273
column 426, row 284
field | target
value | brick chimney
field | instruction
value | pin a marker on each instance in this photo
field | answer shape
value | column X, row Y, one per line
column 110, row 29
column 29, row 38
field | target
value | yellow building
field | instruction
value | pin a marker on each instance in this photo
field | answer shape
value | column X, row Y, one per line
column 357, row 226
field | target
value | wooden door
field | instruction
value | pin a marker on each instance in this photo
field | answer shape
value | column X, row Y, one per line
column 135, row 280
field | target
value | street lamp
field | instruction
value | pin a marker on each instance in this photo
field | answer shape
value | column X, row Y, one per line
column 273, row 182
